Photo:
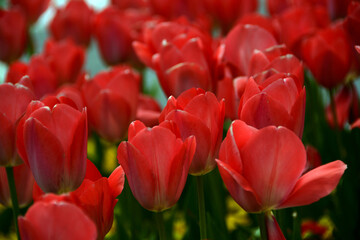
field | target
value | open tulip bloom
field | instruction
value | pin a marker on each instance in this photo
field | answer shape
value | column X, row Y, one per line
column 263, row 171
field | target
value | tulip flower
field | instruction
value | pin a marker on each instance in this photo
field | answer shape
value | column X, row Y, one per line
column 31, row 8
column 198, row 113
column 56, row 220
column 13, row 39
column 156, row 163
column 352, row 21
column 42, row 78
column 52, row 140
column 328, row 55
column 13, row 102
column 24, row 182
column 111, row 98
column 180, row 54
column 65, row 59
column 74, row 21
column 277, row 101
column 263, row 170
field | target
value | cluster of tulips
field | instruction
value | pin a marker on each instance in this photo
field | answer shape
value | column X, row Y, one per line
column 235, row 82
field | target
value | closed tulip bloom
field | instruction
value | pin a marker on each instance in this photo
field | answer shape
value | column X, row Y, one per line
column 264, row 170
column 111, row 98
column 74, row 21
column 56, row 220
column 156, row 163
column 12, row 39
column 277, row 101
column 31, row 8
column 13, row 102
column 148, row 110
column 198, row 113
column 53, row 142
column 24, row 182
column 328, row 55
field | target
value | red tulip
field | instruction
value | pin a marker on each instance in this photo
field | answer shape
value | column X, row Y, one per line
column 298, row 23
column 148, row 111
column 111, row 98
column 277, row 101
column 156, row 163
column 52, row 140
column 312, row 228
column 352, row 21
column 313, row 158
column 180, row 54
column 263, row 170
column 65, row 59
column 328, row 55
column 124, row 4
column 56, row 220
column 74, row 21
column 24, row 182
column 12, row 39
column 202, row 115
column 31, row 8
column 241, row 43
column 42, row 78
column 346, row 107
column 13, row 102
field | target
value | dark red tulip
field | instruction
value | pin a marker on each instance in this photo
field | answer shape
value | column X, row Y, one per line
column 180, row 54
column 328, row 55
column 313, row 158
column 31, row 8
column 312, row 228
column 298, row 23
column 124, row 4
column 148, row 111
column 63, row 220
column 12, row 39
column 65, row 59
column 73, row 21
column 13, row 102
column 198, row 113
column 263, row 170
column 24, row 182
column 277, row 101
column 346, row 107
column 352, row 21
column 52, row 140
column 42, row 77
column 150, row 158
column 111, row 98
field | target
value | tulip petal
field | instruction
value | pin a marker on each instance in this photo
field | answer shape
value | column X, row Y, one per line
column 315, row 184
column 116, row 181
column 272, row 228
column 239, row 188
column 7, row 141
column 134, row 128
column 273, row 160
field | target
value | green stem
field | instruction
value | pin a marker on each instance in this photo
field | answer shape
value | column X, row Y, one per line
column 99, row 153
column 201, row 201
column 30, row 44
column 296, row 234
column 160, row 224
column 262, row 225
column 15, row 205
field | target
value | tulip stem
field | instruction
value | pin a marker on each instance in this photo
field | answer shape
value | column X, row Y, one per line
column 160, row 224
column 201, row 201
column 336, row 123
column 15, row 205
column 262, row 225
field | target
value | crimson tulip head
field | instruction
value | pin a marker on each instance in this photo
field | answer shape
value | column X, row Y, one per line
column 263, row 169
column 53, row 142
column 156, row 163
column 111, row 98
column 277, row 101
column 46, row 220
column 198, row 113
column 74, row 21
column 12, row 39
column 24, row 182
column 148, row 111
column 13, row 102
column 328, row 55
column 352, row 21
column 180, row 55
column 31, row 8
